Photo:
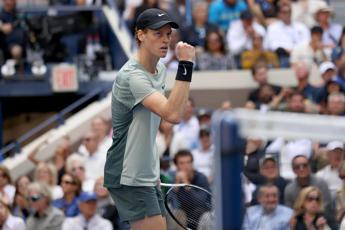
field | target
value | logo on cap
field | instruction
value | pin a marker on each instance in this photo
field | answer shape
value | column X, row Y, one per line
column 160, row 15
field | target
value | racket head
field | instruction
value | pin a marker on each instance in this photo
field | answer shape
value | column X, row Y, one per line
column 189, row 206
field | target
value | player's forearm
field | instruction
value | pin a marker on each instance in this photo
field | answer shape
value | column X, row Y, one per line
column 177, row 101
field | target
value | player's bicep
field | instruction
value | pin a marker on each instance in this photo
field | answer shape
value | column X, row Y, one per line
column 155, row 102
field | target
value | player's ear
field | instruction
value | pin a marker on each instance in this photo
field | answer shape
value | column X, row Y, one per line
column 141, row 35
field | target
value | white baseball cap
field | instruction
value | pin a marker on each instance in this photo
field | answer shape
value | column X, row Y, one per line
column 326, row 66
column 335, row 145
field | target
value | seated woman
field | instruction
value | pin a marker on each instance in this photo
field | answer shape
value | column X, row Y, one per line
column 20, row 207
column 309, row 210
column 46, row 173
column 71, row 187
column 214, row 56
column 258, row 54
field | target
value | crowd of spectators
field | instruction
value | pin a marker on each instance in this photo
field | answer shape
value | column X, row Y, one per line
column 32, row 37
column 66, row 192
column 286, row 183
column 277, row 33
column 230, row 34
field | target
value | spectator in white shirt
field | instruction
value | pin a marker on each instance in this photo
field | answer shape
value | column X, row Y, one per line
column 95, row 160
column 303, row 11
column 283, row 35
column 88, row 218
column 312, row 53
column 100, row 126
column 187, row 131
column 335, row 155
column 75, row 165
column 203, row 156
column 331, row 31
column 241, row 33
column 9, row 222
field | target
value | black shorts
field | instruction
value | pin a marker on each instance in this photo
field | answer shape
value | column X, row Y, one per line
column 135, row 203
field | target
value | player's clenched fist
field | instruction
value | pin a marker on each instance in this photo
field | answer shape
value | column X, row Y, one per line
column 184, row 51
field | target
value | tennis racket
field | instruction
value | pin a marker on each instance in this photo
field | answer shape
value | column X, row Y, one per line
column 189, row 206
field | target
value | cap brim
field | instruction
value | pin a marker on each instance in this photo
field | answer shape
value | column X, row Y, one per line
column 160, row 24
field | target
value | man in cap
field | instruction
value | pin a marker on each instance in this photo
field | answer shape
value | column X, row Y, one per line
column 269, row 172
column 138, row 104
column 335, row 155
column 88, row 218
column 327, row 70
column 204, row 116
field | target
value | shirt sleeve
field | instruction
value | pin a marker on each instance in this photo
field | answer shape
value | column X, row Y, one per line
column 140, row 87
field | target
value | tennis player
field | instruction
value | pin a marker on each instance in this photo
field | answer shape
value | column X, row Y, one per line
column 138, row 105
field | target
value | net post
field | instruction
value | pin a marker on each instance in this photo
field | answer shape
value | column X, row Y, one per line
column 229, row 165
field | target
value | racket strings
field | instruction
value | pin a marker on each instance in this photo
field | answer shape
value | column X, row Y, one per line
column 190, row 206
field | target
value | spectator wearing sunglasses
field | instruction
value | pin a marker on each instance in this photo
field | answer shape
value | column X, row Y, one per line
column 44, row 215
column 75, row 165
column 309, row 210
column 71, row 187
column 305, row 178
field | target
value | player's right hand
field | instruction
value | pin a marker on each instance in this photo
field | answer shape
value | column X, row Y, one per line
column 184, row 51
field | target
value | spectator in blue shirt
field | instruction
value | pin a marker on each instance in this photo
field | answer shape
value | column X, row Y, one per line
column 268, row 214
column 71, row 187
column 223, row 12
